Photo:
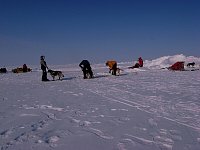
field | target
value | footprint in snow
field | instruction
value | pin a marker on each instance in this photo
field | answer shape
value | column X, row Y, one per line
column 162, row 143
column 121, row 120
column 152, row 122
column 52, row 140
column 198, row 140
column 163, row 140
column 164, row 146
column 69, row 92
column 100, row 133
column 140, row 140
column 22, row 137
column 175, row 135
column 6, row 133
column 39, row 125
column 126, row 144
column 80, row 123
column 75, row 94
column 121, row 146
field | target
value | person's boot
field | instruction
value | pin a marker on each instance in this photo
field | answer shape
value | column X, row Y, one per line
column 44, row 78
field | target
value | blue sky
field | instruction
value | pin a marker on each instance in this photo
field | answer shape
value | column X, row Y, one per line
column 67, row 31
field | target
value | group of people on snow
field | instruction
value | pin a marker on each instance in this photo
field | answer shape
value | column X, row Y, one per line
column 87, row 70
column 86, row 67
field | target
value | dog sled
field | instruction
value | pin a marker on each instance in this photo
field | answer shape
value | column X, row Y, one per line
column 21, row 70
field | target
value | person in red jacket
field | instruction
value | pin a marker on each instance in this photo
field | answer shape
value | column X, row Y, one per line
column 138, row 64
column 140, row 61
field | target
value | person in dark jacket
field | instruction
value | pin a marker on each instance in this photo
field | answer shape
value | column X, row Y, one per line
column 86, row 68
column 25, row 68
column 3, row 70
column 43, row 67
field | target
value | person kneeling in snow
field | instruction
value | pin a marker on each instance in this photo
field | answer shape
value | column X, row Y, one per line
column 86, row 68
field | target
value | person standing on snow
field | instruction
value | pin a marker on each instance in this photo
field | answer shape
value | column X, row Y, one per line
column 25, row 68
column 43, row 67
column 86, row 68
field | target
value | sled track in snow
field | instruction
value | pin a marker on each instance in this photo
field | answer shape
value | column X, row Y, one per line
column 104, row 91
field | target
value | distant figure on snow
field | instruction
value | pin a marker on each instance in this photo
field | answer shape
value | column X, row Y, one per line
column 3, row 70
column 138, row 64
column 86, row 68
column 140, row 61
column 25, row 68
column 43, row 67
column 191, row 64
column 112, row 64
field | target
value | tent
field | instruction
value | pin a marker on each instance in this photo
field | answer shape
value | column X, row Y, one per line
column 178, row 66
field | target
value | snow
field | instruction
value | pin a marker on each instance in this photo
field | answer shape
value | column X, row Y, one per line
column 144, row 109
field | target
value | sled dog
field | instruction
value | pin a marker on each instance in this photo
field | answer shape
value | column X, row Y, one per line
column 118, row 71
column 56, row 73
column 191, row 64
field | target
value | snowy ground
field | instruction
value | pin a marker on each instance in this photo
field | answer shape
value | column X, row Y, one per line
column 142, row 109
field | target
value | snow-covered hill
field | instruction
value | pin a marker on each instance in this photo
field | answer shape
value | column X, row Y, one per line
column 142, row 109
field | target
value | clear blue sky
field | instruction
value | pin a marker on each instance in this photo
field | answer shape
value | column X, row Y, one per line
column 67, row 31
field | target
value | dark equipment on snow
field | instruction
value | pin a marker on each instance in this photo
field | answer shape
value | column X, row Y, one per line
column 3, row 70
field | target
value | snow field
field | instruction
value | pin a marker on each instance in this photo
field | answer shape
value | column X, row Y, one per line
column 141, row 109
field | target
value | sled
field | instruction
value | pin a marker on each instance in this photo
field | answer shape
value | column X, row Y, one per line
column 20, row 70
column 3, row 70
